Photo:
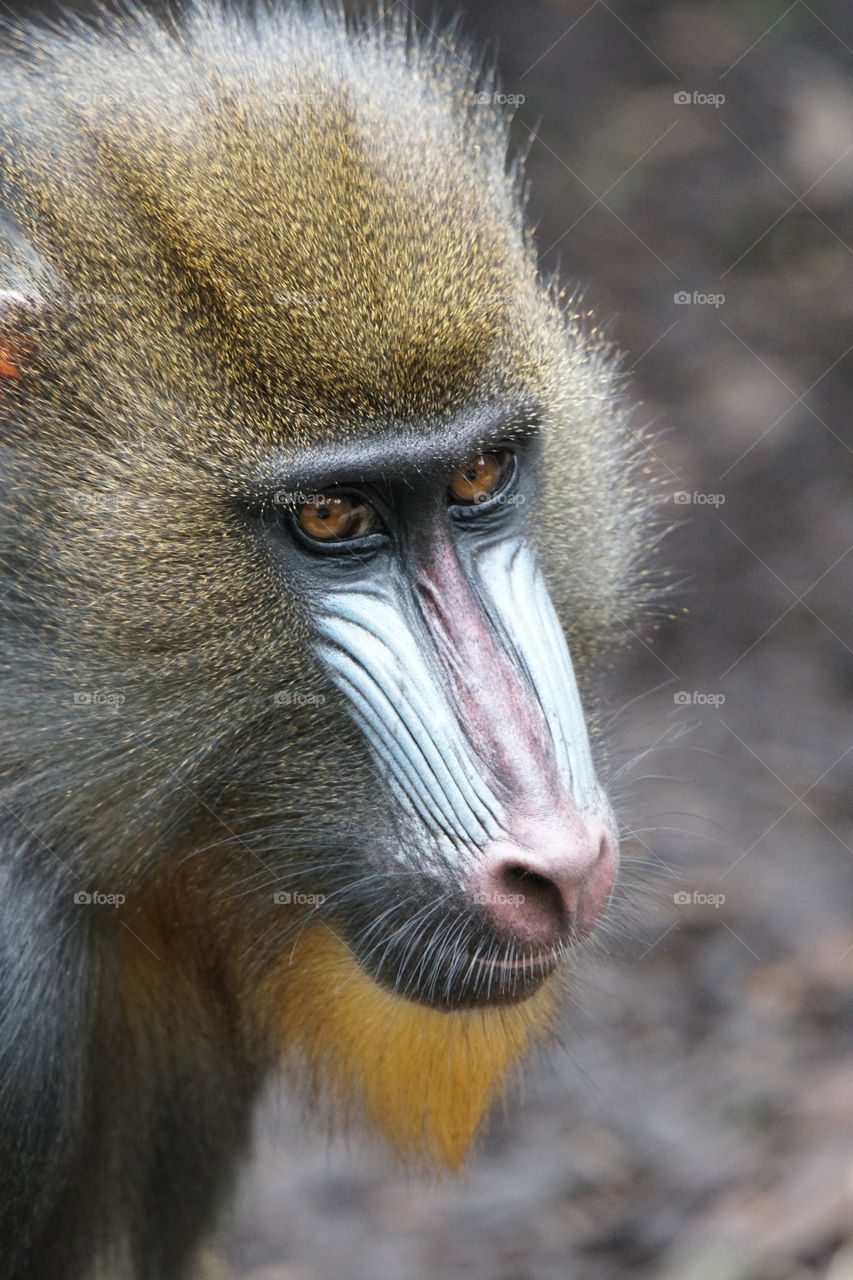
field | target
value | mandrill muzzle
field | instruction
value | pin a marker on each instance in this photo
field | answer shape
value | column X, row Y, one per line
column 463, row 686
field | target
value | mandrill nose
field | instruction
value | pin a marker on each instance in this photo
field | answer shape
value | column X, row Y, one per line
column 547, row 886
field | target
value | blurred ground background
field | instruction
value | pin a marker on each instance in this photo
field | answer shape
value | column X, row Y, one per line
column 697, row 1121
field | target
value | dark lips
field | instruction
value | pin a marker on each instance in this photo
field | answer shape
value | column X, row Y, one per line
column 473, row 981
column 455, row 961
column 516, row 978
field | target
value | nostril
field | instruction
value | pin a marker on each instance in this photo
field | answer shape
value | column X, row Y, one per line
column 533, row 888
column 515, row 871
column 550, row 890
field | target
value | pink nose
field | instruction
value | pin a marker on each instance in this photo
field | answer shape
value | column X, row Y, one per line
column 548, row 886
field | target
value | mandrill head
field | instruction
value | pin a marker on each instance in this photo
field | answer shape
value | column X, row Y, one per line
column 306, row 466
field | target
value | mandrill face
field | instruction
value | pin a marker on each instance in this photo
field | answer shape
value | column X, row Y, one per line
column 341, row 509
column 496, row 848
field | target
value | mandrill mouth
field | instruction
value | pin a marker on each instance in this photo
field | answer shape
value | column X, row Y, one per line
column 496, row 936
column 457, row 963
column 469, row 981
column 513, row 978
column 542, row 961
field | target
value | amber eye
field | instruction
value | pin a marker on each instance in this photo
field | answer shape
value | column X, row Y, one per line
column 336, row 517
column 482, row 476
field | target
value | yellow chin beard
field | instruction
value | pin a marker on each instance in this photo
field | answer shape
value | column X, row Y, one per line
column 424, row 1078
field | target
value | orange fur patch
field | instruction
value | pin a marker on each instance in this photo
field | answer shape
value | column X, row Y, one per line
column 424, row 1078
column 14, row 352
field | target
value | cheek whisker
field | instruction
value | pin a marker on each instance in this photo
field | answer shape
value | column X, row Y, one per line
column 402, row 940
column 453, row 952
column 376, row 926
column 425, row 956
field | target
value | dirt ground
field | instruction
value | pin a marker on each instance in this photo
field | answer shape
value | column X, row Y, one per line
column 697, row 1121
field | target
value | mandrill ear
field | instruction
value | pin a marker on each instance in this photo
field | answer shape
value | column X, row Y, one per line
column 20, row 316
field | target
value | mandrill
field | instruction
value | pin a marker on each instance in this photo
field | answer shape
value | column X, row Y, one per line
column 316, row 502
